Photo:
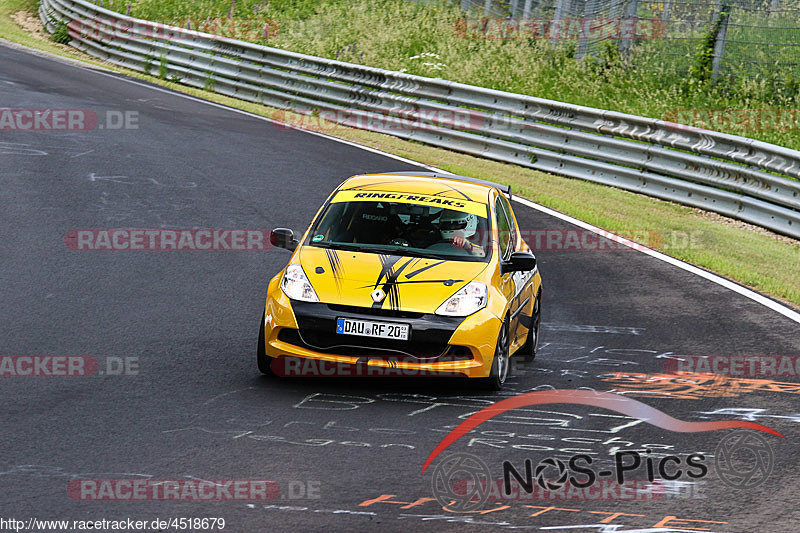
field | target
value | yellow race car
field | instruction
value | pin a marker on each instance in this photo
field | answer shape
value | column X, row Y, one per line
column 405, row 273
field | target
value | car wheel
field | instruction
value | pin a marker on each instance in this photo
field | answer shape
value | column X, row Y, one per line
column 264, row 361
column 528, row 349
column 500, row 364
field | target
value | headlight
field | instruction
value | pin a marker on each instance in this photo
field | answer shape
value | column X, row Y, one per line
column 296, row 285
column 469, row 299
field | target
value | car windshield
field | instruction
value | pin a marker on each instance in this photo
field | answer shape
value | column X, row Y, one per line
column 403, row 228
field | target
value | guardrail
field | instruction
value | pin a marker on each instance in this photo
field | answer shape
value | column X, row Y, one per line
column 738, row 177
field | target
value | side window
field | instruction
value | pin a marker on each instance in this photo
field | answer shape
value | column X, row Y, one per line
column 511, row 223
column 503, row 228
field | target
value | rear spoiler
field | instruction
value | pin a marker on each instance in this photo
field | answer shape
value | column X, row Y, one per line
column 505, row 189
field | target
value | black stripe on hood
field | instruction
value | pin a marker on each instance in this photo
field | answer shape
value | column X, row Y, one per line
column 390, row 275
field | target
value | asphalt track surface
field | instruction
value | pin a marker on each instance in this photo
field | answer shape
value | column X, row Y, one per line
column 199, row 409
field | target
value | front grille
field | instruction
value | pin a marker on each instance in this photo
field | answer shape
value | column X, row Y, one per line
column 376, row 311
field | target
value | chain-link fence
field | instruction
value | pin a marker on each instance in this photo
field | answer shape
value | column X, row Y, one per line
column 726, row 37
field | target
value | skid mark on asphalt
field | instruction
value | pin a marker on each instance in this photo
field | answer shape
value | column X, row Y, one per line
column 585, row 328
column 135, row 180
column 57, row 471
column 8, row 148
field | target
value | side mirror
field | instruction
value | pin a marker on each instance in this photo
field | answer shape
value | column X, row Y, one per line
column 519, row 261
column 283, row 238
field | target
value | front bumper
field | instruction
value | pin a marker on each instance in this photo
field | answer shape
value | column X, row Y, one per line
column 437, row 344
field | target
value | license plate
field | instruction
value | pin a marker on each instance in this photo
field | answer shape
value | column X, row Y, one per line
column 368, row 328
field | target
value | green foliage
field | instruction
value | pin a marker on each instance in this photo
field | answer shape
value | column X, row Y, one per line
column 61, row 33
column 608, row 59
column 703, row 67
column 148, row 64
column 209, row 82
column 163, row 69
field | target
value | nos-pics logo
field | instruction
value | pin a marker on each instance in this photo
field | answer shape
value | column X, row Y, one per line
column 742, row 460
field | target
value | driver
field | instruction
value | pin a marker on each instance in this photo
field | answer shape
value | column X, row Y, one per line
column 460, row 229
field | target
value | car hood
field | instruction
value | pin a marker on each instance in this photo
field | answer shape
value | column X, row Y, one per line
column 410, row 283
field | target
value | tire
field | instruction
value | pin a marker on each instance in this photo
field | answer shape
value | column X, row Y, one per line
column 501, row 365
column 528, row 350
column 264, row 361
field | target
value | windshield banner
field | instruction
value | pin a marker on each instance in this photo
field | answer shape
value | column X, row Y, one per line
column 457, row 204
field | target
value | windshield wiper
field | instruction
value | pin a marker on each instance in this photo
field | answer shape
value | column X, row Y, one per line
column 396, row 250
column 423, row 253
column 402, row 250
column 337, row 246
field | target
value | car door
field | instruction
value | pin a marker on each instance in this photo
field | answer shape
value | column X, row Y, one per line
column 506, row 245
column 519, row 289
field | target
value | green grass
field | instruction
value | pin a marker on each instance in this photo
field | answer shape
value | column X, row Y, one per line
column 754, row 257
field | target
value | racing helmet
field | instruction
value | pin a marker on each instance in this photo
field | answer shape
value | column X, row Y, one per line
column 466, row 224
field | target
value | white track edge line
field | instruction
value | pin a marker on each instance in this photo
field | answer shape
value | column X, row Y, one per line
column 719, row 280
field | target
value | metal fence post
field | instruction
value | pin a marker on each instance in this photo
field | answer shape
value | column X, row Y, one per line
column 556, row 28
column 667, row 11
column 628, row 25
column 719, row 41
column 526, row 9
column 583, row 40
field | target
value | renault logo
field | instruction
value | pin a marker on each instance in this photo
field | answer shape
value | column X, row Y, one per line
column 378, row 295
